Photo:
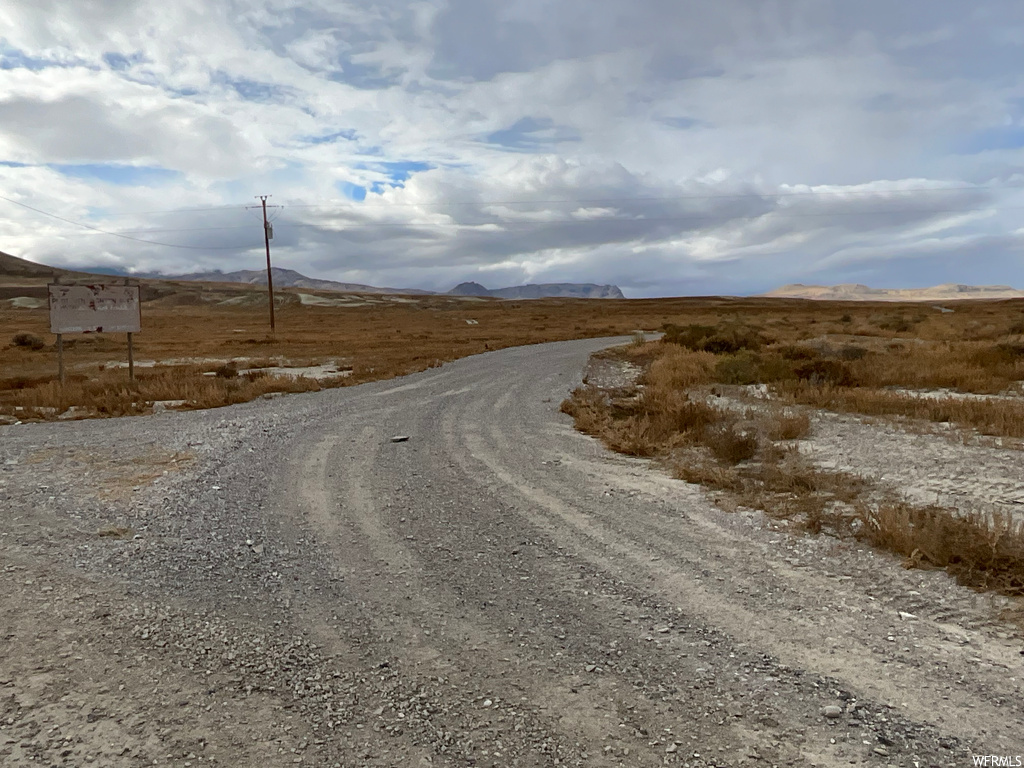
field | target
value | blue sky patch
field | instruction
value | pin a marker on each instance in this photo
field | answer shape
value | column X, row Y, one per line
column 398, row 172
column 329, row 138
column 250, row 90
column 351, row 191
column 530, row 134
column 120, row 62
column 361, row 76
column 12, row 58
column 121, row 175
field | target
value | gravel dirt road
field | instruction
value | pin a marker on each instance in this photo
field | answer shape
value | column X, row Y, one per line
column 279, row 583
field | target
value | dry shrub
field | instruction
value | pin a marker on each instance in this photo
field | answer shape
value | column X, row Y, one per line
column 981, row 551
column 588, row 407
column 819, row 372
column 696, row 469
column 781, row 484
column 227, row 371
column 982, row 368
column 639, row 423
column 897, row 323
column 633, row 436
column 672, row 412
column 850, row 352
column 718, row 339
column 797, row 352
column 782, row 425
column 729, row 444
column 28, row 341
column 679, row 368
column 743, row 368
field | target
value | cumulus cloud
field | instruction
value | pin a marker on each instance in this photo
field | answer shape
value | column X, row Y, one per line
column 668, row 146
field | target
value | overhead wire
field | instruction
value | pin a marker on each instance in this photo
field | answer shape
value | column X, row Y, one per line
column 129, row 237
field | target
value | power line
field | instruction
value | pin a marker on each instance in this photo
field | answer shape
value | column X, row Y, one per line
column 128, row 237
column 204, row 209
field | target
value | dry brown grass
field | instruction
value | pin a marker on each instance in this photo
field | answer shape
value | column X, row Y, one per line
column 745, row 459
column 377, row 342
column 111, row 394
column 781, row 484
column 673, row 367
column 983, row 551
column 391, row 339
column 997, row 416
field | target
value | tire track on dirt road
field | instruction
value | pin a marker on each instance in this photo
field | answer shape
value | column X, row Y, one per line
column 492, row 473
column 496, row 591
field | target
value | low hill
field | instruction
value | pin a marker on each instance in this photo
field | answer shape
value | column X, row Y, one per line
column 286, row 278
column 12, row 266
column 858, row 292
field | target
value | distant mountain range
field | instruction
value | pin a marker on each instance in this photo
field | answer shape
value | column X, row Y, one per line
column 14, row 268
column 289, row 278
column 858, row 292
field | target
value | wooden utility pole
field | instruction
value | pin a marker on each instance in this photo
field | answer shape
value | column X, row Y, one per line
column 270, row 275
column 131, row 348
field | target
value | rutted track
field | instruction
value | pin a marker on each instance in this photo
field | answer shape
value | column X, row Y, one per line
column 498, row 590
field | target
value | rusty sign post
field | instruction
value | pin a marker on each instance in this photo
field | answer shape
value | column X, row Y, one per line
column 97, row 308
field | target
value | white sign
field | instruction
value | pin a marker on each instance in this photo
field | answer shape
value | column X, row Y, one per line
column 94, row 309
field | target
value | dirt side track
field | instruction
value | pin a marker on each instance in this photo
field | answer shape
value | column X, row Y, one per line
column 279, row 583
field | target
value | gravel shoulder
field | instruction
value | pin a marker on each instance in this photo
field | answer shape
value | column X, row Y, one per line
column 279, row 583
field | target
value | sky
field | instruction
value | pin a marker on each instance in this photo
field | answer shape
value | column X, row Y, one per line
column 670, row 147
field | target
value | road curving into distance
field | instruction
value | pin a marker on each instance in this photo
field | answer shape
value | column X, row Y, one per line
column 496, row 590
